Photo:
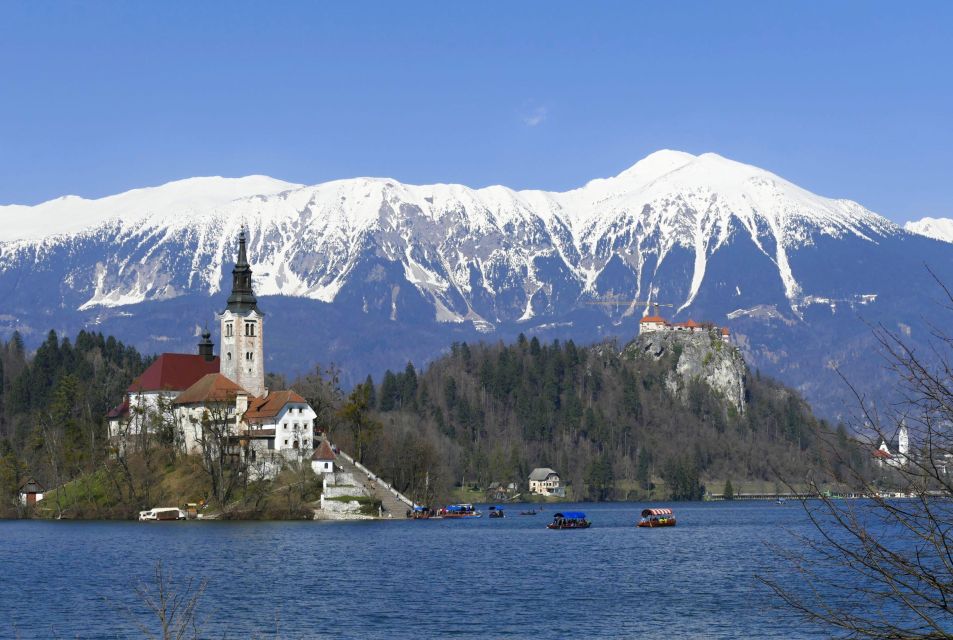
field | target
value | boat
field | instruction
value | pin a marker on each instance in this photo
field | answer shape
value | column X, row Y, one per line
column 497, row 512
column 657, row 518
column 421, row 513
column 531, row 512
column 162, row 513
column 460, row 511
column 569, row 520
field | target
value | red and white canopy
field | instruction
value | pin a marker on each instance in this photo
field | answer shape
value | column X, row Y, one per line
column 656, row 512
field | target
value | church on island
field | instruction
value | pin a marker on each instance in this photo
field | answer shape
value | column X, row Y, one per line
column 200, row 397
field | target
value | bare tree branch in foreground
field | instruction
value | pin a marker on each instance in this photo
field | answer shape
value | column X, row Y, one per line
column 882, row 566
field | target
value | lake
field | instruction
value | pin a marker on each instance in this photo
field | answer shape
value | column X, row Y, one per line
column 475, row 578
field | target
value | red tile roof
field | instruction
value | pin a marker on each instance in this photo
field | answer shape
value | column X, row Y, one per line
column 724, row 331
column 658, row 319
column 213, row 387
column 260, row 409
column 880, row 453
column 119, row 411
column 691, row 324
column 323, row 452
column 173, row 372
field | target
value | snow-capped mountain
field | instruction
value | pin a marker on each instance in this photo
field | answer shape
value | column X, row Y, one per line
column 936, row 228
column 373, row 272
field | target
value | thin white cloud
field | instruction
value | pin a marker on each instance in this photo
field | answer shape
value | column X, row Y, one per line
column 535, row 117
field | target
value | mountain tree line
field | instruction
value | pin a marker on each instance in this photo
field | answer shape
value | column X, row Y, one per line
column 607, row 423
column 53, row 403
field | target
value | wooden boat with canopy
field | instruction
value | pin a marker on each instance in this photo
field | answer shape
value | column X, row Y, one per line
column 460, row 511
column 657, row 518
column 569, row 520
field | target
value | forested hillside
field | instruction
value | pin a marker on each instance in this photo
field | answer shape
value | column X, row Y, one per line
column 613, row 421
column 52, row 406
column 608, row 422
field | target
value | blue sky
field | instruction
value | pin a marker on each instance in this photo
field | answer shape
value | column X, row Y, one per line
column 848, row 99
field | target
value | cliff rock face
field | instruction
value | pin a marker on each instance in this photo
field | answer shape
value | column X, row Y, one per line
column 702, row 356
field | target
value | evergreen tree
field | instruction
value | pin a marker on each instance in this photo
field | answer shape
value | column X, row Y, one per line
column 390, row 392
column 729, row 491
column 371, row 392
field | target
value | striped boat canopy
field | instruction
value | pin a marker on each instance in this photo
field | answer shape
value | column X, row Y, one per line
column 656, row 512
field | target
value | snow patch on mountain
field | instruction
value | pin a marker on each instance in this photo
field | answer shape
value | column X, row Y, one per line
column 936, row 228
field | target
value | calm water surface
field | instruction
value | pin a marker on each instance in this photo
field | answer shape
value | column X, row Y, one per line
column 424, row 579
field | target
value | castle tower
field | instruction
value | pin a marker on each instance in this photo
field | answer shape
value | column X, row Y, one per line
column 242, row 330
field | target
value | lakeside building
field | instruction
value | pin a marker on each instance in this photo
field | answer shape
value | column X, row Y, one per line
column 546, row 482
column 31, row 492
column 884, row 457
column 201, row 396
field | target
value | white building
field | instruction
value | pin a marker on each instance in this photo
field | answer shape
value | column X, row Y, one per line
column 281, row 421
column 884, row 456
column 322, row 461
column 546, row 482
column 653, row 323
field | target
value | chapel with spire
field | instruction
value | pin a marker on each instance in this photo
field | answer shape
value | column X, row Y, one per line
column 241, row 329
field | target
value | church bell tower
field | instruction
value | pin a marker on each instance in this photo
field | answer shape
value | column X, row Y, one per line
column 242, row 330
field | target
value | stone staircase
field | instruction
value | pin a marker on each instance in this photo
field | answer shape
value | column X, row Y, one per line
column 393, row 503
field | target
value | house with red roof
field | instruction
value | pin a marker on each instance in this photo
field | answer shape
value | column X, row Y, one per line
column 653, row 323
column 150, row 396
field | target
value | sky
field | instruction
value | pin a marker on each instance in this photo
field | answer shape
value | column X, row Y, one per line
column 848, row 99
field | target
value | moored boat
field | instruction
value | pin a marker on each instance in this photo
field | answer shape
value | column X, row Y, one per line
column 569, row 520
column 657, row 518
column 532, row 512
column 497, row 512
column 420, row 513
column 460, row 511
column 162, row 513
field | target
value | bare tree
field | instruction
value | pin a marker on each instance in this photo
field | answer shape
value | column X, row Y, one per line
column 882, row 567
column 220, row 451
column 174, row 607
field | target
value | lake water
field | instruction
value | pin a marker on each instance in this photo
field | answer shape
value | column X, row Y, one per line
column 476, row 578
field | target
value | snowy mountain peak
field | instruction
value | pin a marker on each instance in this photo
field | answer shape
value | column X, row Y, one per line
column 480, row 255
column 72, row 214
column 936, row 228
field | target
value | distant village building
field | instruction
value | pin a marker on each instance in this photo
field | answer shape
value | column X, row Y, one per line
column 322, row 461
column 546, row 482
column 883, row 456
column 31, row 492
column 197, row 395
column 501, row 491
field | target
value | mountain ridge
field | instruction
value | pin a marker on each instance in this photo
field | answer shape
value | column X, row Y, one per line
column 719, row 240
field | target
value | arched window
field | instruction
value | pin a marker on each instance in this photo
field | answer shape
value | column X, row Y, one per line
column 228, row 356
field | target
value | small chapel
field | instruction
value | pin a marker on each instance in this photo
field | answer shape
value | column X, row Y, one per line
column 193, row 395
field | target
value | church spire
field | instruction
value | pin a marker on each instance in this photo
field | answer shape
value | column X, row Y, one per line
column 243, row 297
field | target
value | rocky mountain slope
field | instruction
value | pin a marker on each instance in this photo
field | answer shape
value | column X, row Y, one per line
column 370, row 272
column 698, row 357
